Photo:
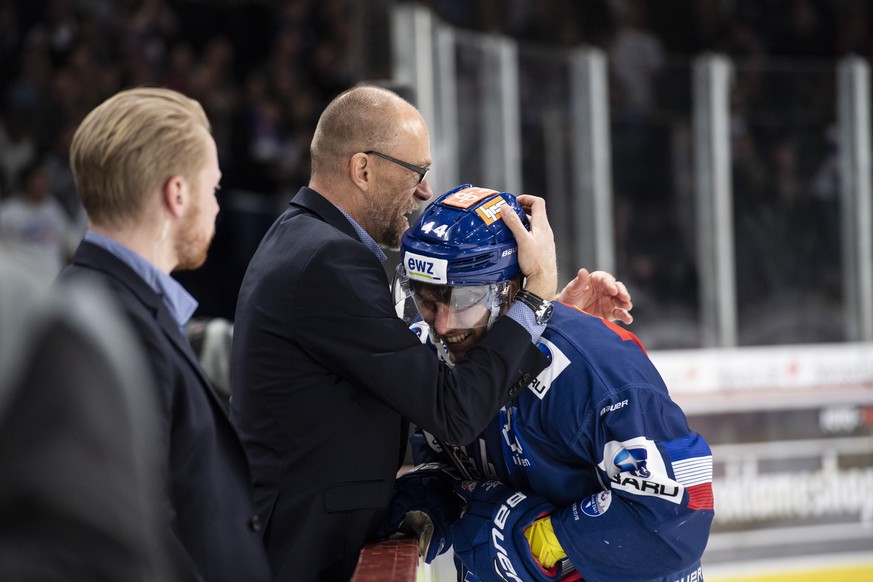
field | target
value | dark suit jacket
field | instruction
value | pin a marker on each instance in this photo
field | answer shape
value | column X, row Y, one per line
column 208, row 501
column 326, row 378
column 79, row 479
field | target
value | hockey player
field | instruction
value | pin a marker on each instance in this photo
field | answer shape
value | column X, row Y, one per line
column 590, row 473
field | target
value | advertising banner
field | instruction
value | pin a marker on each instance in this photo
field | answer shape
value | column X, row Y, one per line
column 791, row 430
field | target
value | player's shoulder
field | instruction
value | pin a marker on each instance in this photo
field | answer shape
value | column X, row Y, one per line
column 604, row 352
column 582, row 329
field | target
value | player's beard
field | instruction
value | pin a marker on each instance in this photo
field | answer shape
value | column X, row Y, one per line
column 192, row 244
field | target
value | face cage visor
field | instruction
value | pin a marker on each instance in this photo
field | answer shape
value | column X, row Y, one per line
column 463, row 306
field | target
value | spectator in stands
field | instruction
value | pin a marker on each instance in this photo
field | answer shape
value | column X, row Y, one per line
column 10, row 41
column 805, row 29
column 592, row 463
column 146, row 169
column 60, row 178
column 319, row 354
column 212, row 84
column 636, row 58
column 34, row 221
column 18, row 148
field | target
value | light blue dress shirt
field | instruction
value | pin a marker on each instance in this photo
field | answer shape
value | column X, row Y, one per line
column 177, row 300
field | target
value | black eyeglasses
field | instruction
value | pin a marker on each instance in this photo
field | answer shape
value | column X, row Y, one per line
column 422, row 172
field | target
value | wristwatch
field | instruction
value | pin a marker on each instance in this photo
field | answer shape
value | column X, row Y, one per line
column 542, row 309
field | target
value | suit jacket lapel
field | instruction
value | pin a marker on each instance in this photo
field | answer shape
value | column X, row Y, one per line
column 94, row 257
column 171, row 330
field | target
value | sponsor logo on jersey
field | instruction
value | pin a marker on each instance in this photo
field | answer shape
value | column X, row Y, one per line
column 558, row 362
column 694, row 576
column 597, row 504
column 490, row 211
column 512, row 445
column 632, row 461
column 427, row 269
column 637, row 467
column 611, row 407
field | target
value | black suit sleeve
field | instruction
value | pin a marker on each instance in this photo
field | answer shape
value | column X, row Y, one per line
column 345, row 319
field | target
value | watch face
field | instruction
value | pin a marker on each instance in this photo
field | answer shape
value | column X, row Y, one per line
column 542, row 309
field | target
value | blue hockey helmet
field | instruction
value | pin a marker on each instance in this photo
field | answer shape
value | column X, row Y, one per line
column 460, row 254
column 461, row 239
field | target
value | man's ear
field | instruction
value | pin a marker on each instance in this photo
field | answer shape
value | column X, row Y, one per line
column 175, row 196
column 360, row 171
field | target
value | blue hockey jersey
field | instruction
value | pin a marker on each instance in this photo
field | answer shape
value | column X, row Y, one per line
column 597, row 434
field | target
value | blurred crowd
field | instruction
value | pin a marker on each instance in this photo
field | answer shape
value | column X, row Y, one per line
column 783, row 138
column 264, row 69
column 789, row 28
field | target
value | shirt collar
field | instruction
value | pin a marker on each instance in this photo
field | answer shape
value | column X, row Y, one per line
column 178, row 301
column 368, row 240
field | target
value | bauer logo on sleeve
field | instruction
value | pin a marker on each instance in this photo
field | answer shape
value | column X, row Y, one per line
column 425, row 269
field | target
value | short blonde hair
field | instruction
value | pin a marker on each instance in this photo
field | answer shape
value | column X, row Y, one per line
column 130, row 145
column 359, row 119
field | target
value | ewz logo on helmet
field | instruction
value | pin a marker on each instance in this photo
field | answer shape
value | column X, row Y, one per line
column 422, row 267
column 425, row 268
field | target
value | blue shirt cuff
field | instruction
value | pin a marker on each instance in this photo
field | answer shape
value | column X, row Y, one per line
column 524, row 316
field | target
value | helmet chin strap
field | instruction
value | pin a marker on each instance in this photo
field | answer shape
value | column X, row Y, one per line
column 495, row 313
column 497, row 305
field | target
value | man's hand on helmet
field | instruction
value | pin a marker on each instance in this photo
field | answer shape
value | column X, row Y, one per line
column 536, row 248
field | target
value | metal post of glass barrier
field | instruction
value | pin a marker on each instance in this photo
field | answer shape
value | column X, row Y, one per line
column 594, row 240
column 853, row 115
column 501, row 112
column 712, row 168
column 444, row 139
column 412, row 34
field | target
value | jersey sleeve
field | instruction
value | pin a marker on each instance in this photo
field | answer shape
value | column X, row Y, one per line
column 653, row 516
